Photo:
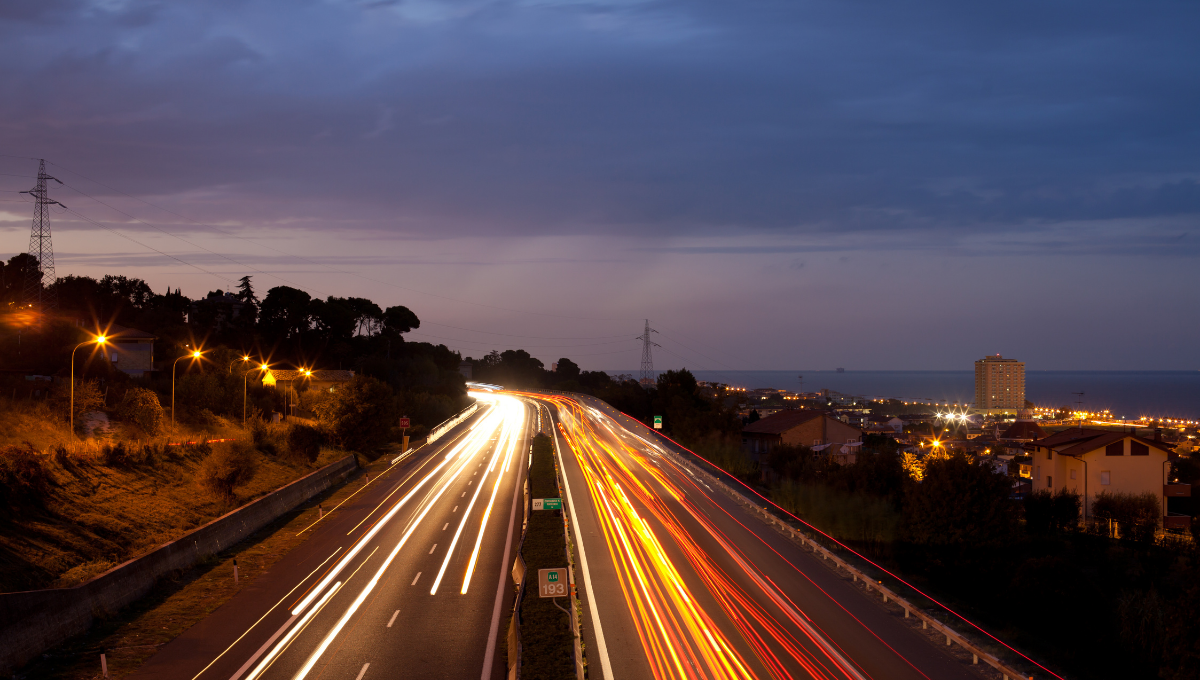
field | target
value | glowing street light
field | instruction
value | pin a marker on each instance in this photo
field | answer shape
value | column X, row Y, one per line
column 99, row 340
column 195, row 354
column 244, row 359
column 245, row 380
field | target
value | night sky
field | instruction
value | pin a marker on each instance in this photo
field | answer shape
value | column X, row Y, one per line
column 774, row 184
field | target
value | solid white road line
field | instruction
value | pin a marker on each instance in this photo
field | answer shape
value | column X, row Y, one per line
column 601, row 647
column 489, row 656
column 363, row 671
column 393, row 619
column 415, row 579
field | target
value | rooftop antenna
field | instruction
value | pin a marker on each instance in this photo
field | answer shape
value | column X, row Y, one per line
column 647, row 380
column 37, row 285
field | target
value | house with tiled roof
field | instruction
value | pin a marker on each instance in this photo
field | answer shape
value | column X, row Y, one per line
column 313, row 380
column 1091, row 461
column 802, row 427
column 130, row 350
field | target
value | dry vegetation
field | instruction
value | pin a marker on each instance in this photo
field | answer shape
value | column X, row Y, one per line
column 70, row 511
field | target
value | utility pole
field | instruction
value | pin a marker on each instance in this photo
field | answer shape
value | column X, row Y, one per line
column 37, row 286
column 647, row 380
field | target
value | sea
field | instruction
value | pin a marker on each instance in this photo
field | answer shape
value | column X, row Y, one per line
column 1126, row 394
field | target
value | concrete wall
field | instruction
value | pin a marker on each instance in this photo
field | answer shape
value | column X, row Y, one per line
column 34, row 621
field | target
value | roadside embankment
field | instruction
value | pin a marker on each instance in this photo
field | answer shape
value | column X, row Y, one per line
column 33, row 621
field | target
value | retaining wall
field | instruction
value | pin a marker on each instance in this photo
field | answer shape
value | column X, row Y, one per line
column 36, row 620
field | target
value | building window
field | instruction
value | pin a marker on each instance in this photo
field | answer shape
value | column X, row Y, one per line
column 1072, row 474
column 1105, row 477
column 1049, row 482
column 114, row 357
column 1138, row 449
column 1115, row 449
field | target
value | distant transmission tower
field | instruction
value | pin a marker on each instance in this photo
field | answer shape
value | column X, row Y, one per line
column 37, row 285
column 647, row 380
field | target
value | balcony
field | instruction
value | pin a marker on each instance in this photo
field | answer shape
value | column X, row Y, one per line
column 1177, row 490
column 1173, row 521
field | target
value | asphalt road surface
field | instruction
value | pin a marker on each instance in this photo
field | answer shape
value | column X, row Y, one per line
column 409, row 580
column 679, row 581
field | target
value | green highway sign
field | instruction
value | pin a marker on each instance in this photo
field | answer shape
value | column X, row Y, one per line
column 658, row 422
column 552, row 582
column 547, row 504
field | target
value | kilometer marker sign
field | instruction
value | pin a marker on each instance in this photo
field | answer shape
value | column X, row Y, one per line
column 658, row 422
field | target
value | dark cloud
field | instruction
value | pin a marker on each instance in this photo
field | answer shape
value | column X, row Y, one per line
column 659, row 118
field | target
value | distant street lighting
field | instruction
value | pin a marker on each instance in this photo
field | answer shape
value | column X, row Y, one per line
column 99, row 340
column 243, row 360
column 193, row 356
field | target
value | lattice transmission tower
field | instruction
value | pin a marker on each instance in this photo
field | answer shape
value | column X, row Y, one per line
column 37, row 283
column 647, row 379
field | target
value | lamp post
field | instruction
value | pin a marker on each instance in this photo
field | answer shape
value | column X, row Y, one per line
column 244, row 359
column 245, row 381
column 193, row 356
column 99, row 340
column 291, row 385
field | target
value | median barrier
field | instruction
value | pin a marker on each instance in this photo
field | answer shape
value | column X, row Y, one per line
column 33, row 621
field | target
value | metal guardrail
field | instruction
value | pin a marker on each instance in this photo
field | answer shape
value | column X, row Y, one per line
column 440, row 430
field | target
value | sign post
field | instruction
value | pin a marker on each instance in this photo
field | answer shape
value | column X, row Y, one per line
column 547, row 504
column 658, row 422
column 552, row 582
column 404, row 425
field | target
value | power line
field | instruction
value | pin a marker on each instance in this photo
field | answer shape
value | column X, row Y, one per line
column 318, row 264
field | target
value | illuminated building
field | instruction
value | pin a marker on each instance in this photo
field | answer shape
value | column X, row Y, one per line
column 999, row 385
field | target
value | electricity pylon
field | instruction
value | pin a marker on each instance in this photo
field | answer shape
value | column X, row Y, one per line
column 37, row 284
column 647, row 380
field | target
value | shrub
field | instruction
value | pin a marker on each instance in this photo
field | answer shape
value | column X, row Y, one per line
column 115, row 455
column 853, row 516
column 1136, row 515
column 1049, row 512
column 142, row 408
column 87, row 397
column 304, row 442
column 22, row 473
column 726, row 455
column 228, row 466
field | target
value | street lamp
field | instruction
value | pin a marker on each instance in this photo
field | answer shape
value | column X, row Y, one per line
column 291, row 386
column 99, row 340
column 244, row 359
column 193, row 356
column 245, row 380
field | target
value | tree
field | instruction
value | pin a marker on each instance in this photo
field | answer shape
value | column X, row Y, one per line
column 567, row 370
column 286, row 313
column 142, row 408
column 13, row 276
column 959, row 503
column 359, row 415
column 400, row 319
column 245, row 295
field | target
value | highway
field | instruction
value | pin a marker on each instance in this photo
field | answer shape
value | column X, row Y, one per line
column 410, row 580
column 678, row 581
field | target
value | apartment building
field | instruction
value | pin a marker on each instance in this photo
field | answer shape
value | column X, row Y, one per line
column 999, row 384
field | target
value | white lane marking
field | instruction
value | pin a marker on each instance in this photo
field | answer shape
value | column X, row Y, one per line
column 602, row 648
column 393, row 619
column 469, row 484
column 266, row 662
column 289, row 594
column 363, row 671
column 489, row 656
column 475, row 472
column 463, row 494
column 415, row 579
column 447, row 523
column 455, row 509
column 433, row 548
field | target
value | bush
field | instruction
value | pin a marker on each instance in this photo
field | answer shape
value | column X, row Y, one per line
column 1136, row 515
column 726, row 455
column 87, row 397
column 141, row 408
column 115, row 455
column 22, row 473
column 1049, row 512
column 228, row 466
column 359, row 416
column 304, row 442
column 959, row 503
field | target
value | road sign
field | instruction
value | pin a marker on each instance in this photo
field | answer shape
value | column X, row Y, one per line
column 552, row 582
column 547, row 504
column 404, row 422
column 658, row 422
